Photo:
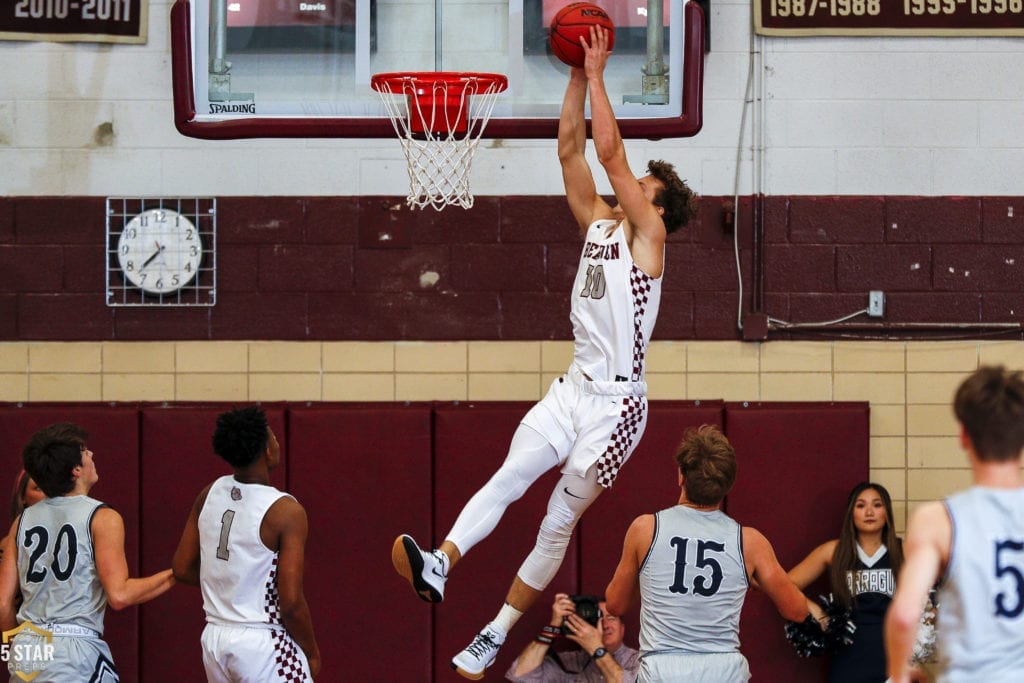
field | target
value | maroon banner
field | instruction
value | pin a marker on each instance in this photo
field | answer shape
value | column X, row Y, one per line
column 103, row 21
column 889, row 17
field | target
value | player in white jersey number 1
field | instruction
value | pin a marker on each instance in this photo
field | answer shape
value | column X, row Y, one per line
column 244, row 545
column 593, row 416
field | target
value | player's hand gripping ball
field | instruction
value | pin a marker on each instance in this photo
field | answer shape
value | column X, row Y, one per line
column 573, row 22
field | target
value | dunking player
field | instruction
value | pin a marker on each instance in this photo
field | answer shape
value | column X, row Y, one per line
column 593, row 416
column 244, row 544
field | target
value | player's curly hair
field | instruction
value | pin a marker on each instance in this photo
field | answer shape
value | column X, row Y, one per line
column 51, row 454
column 707, row 462
column 241, row 436
column 675, row 197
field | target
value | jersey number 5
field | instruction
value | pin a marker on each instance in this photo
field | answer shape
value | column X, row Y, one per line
column 1002, row 609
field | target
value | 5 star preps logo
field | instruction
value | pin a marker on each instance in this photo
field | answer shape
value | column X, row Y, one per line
column 27, row 659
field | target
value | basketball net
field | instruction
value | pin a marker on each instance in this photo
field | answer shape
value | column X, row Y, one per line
column 439, row 118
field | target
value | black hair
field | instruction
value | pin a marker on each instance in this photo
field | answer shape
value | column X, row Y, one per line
column 51, row 455
column 241, row 436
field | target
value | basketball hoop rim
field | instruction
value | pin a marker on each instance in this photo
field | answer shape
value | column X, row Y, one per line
column 396, row 81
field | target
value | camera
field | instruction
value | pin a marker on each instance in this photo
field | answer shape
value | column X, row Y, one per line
column 587, row 609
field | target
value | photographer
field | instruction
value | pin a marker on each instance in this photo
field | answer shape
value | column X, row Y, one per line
column 602, row 655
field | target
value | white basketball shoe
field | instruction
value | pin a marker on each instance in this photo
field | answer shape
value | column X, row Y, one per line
column 481, row 653
column 427, row 572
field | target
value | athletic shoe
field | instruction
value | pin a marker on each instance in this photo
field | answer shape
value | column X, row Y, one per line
column 427, row 572
column 471, row 662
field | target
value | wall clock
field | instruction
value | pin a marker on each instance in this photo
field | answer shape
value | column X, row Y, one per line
column 161, row 252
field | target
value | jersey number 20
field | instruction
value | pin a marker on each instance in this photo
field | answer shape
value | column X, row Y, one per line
column 37, row 540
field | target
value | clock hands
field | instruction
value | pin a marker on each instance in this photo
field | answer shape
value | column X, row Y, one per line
column 159, row 250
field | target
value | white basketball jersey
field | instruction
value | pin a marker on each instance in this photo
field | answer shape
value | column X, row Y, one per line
column 57, row 566
column 692, row 583
column 614, row 307
column 237, row 573
column 981, row 601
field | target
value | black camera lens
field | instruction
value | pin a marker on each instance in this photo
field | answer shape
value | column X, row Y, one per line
column 587, row 609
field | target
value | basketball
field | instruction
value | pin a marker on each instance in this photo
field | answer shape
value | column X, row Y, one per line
column 573, row 22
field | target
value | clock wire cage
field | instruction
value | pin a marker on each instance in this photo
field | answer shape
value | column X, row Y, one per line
column 200, row 212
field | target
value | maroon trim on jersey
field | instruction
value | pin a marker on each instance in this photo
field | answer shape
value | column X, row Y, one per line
column 622, row 440
column 640, row 282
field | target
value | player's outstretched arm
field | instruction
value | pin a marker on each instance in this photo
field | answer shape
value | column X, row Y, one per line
column 814, row 565
column 580, row 190
column 9, row 579
column 624, row 589
column 287, row 518
column 185, row 563
column 112, row 566
column 765, row 571
column 644, row 218
column 925, row 552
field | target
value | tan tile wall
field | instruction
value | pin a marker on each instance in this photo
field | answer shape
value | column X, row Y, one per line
column 914, row 446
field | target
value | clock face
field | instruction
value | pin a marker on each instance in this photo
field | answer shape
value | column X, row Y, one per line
column 159, row 251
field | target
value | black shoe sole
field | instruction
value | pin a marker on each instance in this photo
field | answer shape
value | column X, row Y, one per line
column 405, row 556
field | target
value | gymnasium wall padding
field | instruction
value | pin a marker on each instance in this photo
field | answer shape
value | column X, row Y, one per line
column 797, row 463
column 363, row 474
column 367, row 472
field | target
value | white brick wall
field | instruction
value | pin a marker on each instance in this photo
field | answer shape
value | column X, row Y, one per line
column 929, row 116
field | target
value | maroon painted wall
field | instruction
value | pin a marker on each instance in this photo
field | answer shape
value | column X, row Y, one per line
column 505, row 268
column 367, row 472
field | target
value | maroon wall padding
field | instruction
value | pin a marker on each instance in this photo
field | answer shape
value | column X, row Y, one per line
column 363, row 473
column 114, row 441
column 797, row 464
column 177, row 463
column 646, row 484
column 470, row 442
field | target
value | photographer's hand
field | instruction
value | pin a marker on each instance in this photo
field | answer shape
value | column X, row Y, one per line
column 532, row 656
column 583, row 634
column 562, row 607
column 591, row 639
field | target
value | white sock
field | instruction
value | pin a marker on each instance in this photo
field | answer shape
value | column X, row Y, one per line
column 507, row 617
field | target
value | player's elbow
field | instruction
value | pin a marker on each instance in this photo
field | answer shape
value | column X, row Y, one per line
column 117, row 602
column 185, row 575
column 292, row 606
column 898, row 619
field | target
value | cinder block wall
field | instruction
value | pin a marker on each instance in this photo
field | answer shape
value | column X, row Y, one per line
column 914, row 447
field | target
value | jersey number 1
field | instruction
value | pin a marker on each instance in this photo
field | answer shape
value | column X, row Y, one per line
column 226, row 520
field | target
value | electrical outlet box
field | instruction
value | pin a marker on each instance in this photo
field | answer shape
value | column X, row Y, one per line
column 876, row 303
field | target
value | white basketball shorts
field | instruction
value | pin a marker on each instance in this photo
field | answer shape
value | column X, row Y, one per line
column 248, row 653
column 591, row 422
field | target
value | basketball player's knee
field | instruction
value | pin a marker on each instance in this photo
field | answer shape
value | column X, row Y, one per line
column 507, row 485
column 555, row 531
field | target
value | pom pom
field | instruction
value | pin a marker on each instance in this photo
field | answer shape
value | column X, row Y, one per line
column 809, row 639
column 924, row 646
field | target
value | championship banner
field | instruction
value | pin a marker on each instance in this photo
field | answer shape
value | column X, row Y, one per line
column 97, row 21
column 889, row 17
